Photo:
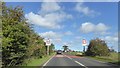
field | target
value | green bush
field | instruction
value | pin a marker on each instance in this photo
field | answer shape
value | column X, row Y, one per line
column 19, row 41
column 97, row 47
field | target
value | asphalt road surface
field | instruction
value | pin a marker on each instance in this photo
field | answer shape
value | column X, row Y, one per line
column 69, row 61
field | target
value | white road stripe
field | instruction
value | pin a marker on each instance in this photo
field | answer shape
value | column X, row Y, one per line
column 68, row 57
column 81, row 64
column 48, row 60
column 76, row 62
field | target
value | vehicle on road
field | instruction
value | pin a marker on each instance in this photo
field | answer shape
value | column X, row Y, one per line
column 59, row 52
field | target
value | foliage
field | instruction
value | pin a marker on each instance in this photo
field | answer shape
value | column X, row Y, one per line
column 15, row 36
column 19, row 41
column 97, row 47
column 112, row 58
column 65, row 48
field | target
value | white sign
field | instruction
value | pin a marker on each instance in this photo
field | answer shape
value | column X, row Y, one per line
column 48, row 43
column 84, row 43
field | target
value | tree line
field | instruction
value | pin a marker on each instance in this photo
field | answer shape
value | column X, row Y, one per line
column 19, row 41
column 96, row 47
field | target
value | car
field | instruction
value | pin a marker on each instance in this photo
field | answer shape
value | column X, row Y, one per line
column 59, row 51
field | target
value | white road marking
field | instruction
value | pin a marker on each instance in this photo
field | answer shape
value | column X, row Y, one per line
column 68, row 57
column 81, row 64
column 48, row 60
column 76, row 61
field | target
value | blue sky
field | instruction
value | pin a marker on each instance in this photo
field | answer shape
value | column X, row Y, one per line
column 67, row 23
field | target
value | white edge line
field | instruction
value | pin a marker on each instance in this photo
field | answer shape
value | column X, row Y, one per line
column 48, row 61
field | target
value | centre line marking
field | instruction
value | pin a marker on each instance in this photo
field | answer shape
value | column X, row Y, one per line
column 68, row 57
column 76, row 61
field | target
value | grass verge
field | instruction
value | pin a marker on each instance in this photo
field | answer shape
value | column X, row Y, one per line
column 113, row 58
column 73, row 53
column 40, row 61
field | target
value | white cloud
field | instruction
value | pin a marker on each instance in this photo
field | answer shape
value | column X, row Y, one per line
column 68, row 33
column 88, row 27
column 47, row 16
column 81, row 8
column 47, row 7
column 42, row 21
column 101, row 27
column 97, row 0
column 111, row 39
column 54, row 36
column 59, row 40
column 50, row 34
column 78, row 37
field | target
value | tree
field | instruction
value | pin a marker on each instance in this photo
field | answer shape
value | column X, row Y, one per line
column 19, row 41
column 97, row 47
column 15, row 36
column 65, row 48
column 52, row 47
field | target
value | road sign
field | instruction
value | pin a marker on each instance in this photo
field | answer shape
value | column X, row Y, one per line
column 84, row 43
column 48, row 43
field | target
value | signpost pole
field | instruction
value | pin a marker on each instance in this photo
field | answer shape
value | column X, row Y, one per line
column 84, row 44
column 47, row 50
column 84, row 49
column 48, row 43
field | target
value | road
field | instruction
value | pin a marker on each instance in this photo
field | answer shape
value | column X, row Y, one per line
column 69, row 61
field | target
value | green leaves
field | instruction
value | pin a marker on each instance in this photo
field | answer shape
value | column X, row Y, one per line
column 15, row 36
column 97, row 47
column 19, row 41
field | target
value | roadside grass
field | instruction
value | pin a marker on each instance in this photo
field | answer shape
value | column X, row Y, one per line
column 73, row 53
column 113, row 58
column 38, row 62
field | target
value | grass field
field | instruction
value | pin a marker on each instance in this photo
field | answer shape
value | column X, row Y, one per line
column 38, row 62
column 73, row 53
column 113, row 58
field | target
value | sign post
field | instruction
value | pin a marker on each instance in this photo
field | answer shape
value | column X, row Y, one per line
column 48, row 43
column 84, row 43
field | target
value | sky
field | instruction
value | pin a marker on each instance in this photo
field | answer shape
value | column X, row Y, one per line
column 68, row 23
